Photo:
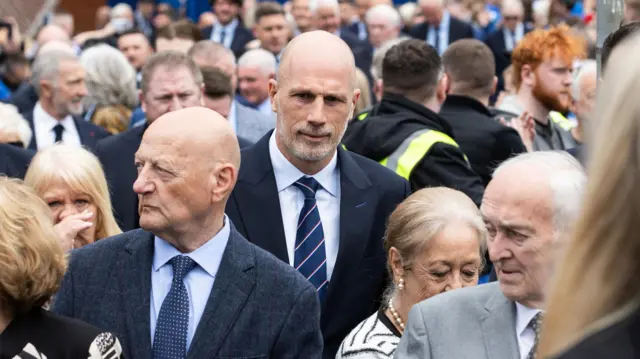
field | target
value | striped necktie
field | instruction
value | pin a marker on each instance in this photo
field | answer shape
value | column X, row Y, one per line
column 310, row 256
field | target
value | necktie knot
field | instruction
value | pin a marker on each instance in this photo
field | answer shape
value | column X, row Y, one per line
column 182, row 265
column 308, row 186
column 57, row 130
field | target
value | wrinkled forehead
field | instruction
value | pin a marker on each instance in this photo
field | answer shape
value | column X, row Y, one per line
column 513, row 197
column 334, row 73
column 165, row 78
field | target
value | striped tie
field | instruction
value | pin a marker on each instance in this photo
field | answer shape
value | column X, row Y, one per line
column 310, row 256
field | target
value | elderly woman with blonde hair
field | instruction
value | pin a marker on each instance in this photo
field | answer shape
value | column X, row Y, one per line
column 71, row 181
column 32, row 265
column 111, row 84
column 435, row 241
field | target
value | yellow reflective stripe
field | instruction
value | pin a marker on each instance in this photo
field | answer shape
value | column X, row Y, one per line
column 407, row 156
column 343, row 146
column 362, row 116
column 560, row 120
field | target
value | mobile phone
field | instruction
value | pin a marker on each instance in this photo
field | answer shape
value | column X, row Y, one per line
column 7, row 29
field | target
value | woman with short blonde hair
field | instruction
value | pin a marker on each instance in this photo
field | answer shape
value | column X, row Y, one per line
column 71, row 181
column 435, row 241
column 594, row 303
column 32, row 265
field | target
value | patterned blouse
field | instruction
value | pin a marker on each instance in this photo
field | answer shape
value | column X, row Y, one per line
column 375, row 338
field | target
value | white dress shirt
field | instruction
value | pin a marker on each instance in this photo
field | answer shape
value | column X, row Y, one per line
column 510, row 40
column 229, row 33
column 526, row 335
column 198, row 282
column 43, row 125
column 292, row 201
column 442, row 33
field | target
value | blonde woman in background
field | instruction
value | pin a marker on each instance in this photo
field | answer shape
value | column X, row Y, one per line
column 435, row 241
column 364, row 102
column 111, row 86
column 32, row 265
column 71, row 181
column 594, row 306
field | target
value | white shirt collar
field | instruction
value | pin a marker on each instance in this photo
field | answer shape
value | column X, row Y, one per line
column 524, row 316
column 230, row 26
column 286, row 173
column 49, row 122
column 232, row 117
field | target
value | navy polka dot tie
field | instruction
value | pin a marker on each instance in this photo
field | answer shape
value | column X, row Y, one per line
column 170, row 339
column 536, row 324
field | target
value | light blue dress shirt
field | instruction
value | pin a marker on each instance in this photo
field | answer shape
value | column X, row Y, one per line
column 199, row 281
column 442, row 33
column 233, row 116
column 292, row 201
column 230, row 31
column 265, row 107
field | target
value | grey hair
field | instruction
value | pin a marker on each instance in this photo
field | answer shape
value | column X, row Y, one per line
column 314, row 5
column 260, row 58
column 407, row 11
column 385, row 11
column 587, row 67
column 379, row 54
column 513, row 4
column 120, row 10
column 111, row 80
column 13, row 122
column 47, row 66
column 567, row 181
column 211, row 50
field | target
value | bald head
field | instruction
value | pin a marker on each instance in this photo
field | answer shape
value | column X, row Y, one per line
column 311, row 48
column 51, row 33
column 187, row 165
column 53, row 46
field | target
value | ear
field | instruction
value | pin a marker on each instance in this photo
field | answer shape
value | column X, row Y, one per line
column 396, row 263
column 377, row 89
column 46, row 88
column 141, row 99
column 441, row 92
column 494, row 87
column 528, row 76
column 273, row 94
column 447, row 88
column 223, row 179
column 254, row 30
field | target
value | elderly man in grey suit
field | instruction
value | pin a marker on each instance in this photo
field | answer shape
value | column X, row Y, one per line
column 528, row 207
column 246, row 122
column 188, row 285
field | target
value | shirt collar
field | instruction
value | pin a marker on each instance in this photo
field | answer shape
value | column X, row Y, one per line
column 524, row 316
column 232, row 118
column 208, row 256
column 446, row 18
column 48, row 121
column 286, row 173
column 230, row 26
column 266, row 104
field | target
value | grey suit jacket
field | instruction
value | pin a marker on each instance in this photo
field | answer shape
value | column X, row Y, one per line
column 259, row 307
column 468, row 323
column 252, row 124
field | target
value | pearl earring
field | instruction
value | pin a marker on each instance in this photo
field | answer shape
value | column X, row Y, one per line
column 401, row 284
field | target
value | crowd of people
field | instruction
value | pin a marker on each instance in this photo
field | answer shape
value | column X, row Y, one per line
column 320, row 179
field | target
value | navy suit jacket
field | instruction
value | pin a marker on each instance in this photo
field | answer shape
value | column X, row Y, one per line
column 117, row 154
column 362, row 52
column 24, row 98
column 457, row 30
column 89, row 133
column 370, row 192
column 258, row 307
column 241, row 37
column 14, row 161
column 498, row 47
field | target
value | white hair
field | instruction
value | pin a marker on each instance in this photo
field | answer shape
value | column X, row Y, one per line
column 386, row 12
column 110, row 80
column 567, row 181
column 379, row 54
column 513, row 4
column 264, row 60
column 407, row 11
column 47, row 65
column 587, row 68
column 314, row 5
column 57, row 46
column 12, row 122
column 121, row 10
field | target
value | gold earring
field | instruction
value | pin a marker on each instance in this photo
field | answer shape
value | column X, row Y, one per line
column 401, row 284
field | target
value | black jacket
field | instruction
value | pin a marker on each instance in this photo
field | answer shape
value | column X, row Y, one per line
column 394, row 119
column 486, row 142
column 14, row 160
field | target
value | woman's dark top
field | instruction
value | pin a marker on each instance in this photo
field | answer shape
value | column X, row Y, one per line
column 40, row 333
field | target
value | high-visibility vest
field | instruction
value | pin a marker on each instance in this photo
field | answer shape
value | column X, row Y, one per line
column 560, row 120
column 413, row 149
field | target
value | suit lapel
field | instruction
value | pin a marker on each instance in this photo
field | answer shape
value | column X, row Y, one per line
column 33, row 145
column 135, row 279
column 501, row 315
column 233, row 285
column 357, row 206
column 257, row 201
